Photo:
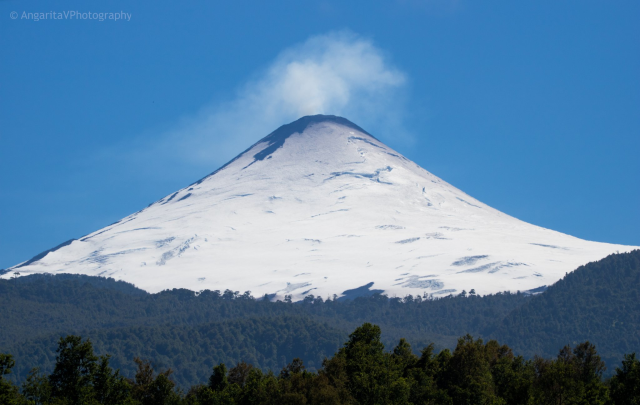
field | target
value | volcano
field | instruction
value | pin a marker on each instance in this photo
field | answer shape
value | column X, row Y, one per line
column 321, row 207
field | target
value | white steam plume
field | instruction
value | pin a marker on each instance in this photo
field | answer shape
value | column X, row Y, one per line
column 337, row 73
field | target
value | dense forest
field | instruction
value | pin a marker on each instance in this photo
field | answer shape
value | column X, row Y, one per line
column 190, row 332
column 360, row 372
column 599, row 302
column 125, row 323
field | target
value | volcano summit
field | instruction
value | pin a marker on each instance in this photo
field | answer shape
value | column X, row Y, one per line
column 321, row 207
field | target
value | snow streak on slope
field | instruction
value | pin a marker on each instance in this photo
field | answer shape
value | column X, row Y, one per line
column 322, row 207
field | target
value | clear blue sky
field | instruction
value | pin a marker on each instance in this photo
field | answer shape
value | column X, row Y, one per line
column 531, row 107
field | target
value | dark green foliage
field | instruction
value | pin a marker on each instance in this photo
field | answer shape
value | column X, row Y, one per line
column 512, row 375
column 218, row 380
column 599, row 302
column 97, row 282
column 151, row 389
column 8, row 391
column 48, row 305
column 574, row 377
column 467, row 374
column 267, row 343
column 36, row 388
column 191, row 333
column 6, row 364
column 625, row 384
column 109, row 386
column 361, row 372
column 365, row 364
column 424, row 375
column 79, row 377
column 177, row 327
column 75, row 370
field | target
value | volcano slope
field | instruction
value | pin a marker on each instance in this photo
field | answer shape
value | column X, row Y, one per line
column 322, row 207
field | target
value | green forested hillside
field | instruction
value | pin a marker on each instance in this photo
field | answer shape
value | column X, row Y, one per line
column 192, row 351
column 361, row 371
column 48, row 304
column 129, row 322
column 598, row 302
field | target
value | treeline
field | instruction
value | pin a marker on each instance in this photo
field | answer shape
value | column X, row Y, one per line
column 267, row 343
column 361, row 372
column 191, row 332
column 43, row 304
column 599, row 302
column 179, row 328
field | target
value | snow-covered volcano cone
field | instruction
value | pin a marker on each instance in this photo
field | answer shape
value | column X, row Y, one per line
column 322, row 207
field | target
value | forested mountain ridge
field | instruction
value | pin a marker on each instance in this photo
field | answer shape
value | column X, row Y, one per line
column 37, row 312
column 189, row 332
column 48, row 304
column 599, row 302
